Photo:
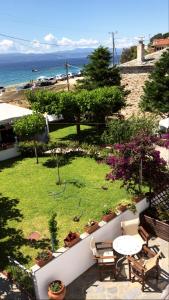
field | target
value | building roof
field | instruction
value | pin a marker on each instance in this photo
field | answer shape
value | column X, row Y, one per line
column 9, row 112
column 161, row 42
column 149, row 60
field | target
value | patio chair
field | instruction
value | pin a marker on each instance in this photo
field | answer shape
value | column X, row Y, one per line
column 142, row 267
column 131, row 227
column 104, row 256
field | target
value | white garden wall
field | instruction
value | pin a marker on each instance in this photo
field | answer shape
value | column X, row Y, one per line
column 69, row 264
column 9, row 153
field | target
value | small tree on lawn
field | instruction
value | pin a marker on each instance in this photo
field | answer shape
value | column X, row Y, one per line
column 28, row 127
column 138, row 164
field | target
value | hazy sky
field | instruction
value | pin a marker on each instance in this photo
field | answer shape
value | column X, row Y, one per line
column 79, row 23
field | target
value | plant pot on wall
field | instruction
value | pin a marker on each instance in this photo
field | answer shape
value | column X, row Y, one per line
column 56, row 290
column 137, row 198
column 72, row 239
column 122, row 207
column 43, row 258
column 89, row 228
column 109, row 216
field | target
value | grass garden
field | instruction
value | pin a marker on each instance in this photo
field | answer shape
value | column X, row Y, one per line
column 81, row 194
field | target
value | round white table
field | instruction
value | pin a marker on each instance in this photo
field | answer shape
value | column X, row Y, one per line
column 127, row 245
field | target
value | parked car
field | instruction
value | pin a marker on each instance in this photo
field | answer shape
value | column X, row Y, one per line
column 2, row 89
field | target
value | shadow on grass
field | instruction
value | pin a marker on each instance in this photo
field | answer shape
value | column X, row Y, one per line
column 11, row 239
column 41, row 244
column 89, row 136
column 58, row 125
column 62, row 159
column 12, row 162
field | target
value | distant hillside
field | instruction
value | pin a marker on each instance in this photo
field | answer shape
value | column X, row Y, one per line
column 31, row 57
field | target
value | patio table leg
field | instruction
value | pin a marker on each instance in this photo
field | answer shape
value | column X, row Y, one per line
column 120, row 267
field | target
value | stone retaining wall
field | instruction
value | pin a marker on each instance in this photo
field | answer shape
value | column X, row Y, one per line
column 134, row 83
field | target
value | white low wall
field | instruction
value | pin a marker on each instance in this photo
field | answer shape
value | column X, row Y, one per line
column 9, row 153
column 73, row 262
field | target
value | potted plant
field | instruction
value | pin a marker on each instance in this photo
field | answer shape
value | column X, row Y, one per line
column 108, row 214
column 132, row 207
column 122, row 206
column 137, row 198
column 91, row 226
column 43, row 258
column 56, row 290
column 71, row 239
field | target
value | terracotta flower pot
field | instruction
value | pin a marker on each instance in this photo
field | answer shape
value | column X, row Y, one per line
column 138, row 198
column 92, row 228
column 122, row 207
column 41, row 262
column 109, row 217
column 70, row 243
column 57, row 295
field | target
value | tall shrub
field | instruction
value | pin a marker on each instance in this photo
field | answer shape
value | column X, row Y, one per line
column 53, row 229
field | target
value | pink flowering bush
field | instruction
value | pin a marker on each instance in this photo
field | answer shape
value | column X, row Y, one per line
column 138, row 164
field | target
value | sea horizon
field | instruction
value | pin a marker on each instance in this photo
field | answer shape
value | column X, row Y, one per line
column 13, row 73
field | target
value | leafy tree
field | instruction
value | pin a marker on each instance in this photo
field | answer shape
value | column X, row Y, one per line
column 82, row 105
column 156, row 89
column 128, row 54
column 28, row 128
column 120, row 131
column 138, row 164
column 98, row 72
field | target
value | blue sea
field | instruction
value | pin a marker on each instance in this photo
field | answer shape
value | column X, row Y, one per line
column 18, row 72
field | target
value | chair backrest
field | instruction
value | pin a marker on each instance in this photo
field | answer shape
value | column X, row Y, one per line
column 130, row 227
column 151, row 262
column 93, row 247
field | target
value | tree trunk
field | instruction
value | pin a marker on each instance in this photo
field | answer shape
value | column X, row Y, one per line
column 36, row 152
column 78, row 125
column 58, row 171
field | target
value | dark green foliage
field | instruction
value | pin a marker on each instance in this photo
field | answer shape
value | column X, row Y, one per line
column 27, row 148
column 11, row 239
column 163, row 213
column 128, row 54
column 53, row 229
column 156, row 89
column 98, row 73
column 119, row 131
column 43, row 255
column 23, row 279
column 55, row 286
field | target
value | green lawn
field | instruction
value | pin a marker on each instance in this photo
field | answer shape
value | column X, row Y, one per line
column 39, row 196
column 33, row 185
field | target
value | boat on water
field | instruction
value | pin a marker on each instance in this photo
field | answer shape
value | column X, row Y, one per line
column 34, row 70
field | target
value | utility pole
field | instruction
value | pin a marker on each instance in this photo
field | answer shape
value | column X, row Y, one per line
column 67, row 75
column 113, row 45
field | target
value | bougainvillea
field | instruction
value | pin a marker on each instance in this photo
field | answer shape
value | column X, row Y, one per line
column 138, row 164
